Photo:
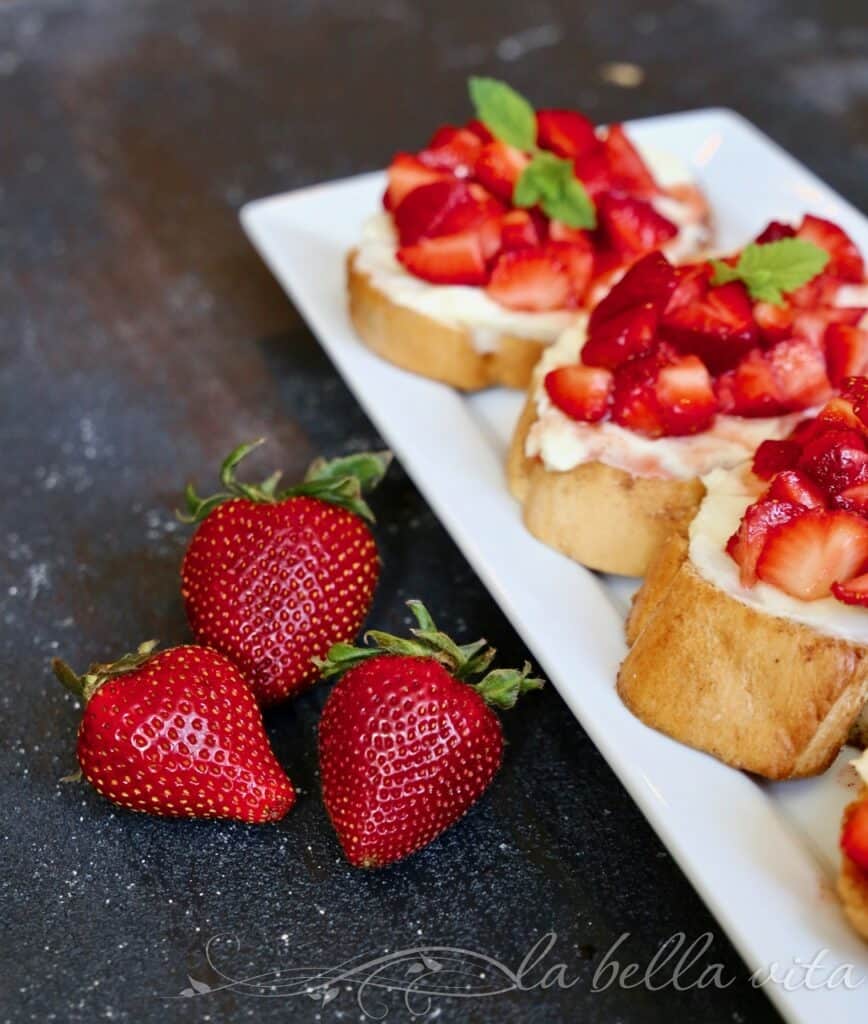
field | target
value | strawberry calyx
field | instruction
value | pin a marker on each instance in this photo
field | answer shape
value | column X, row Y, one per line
column 467, row 662
column 342, row 481
column 86, row 685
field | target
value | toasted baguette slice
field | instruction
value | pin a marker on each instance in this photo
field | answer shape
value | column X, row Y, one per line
column 432, row 349
column 853, row 883
column 766, row 694
column 596, row 514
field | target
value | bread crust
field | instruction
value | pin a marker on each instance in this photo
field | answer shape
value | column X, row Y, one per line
column 418, row 343
column 853, row 882
column 766, row 694
column 595, row 514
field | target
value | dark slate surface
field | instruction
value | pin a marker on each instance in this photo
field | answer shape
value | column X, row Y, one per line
column 141, row 338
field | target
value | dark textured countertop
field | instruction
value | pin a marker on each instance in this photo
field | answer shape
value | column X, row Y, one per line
column 142, row 338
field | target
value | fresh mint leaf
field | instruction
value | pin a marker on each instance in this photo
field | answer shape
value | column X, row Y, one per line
column 551, row 182
column 774, row 268
column 504, row 112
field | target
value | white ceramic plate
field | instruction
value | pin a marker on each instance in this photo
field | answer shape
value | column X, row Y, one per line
column 762, row 856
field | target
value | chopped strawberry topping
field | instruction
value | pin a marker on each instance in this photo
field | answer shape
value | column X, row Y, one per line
column 798, row 488
column 519, row 230
column 854, row 591
column 632, row 225
column 719, row 327
column 531, row 279
column 774, row 231
column 452, row 149
column 776, row 456
column 626, row 335
column 846, row 352
column 854, row 833
column 565, row 132
column 451, row 259
column 635, row 404
column 775, row 322
column 837, row 460
column 746, row 544
column 845, row 262
column 444, row 207
column 628, row 169
column 407, row 172
column 853, row 499
column 650, row 280
column 499, row 167
column 686, row 396
column 582, row 392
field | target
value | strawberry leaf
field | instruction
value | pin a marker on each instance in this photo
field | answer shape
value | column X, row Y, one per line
column 768, row 270
column 504, row 112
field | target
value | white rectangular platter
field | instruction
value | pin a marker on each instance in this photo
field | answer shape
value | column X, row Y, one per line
column 763, row 857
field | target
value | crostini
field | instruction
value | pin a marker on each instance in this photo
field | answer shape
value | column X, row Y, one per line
column 750, row 633
column 853, row 877
column 678, row 371
column 495, row 233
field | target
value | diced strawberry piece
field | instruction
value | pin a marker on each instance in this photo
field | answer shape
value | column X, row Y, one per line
column 578, row 258
column 798, row 488
column 805, row 556
column 626, row 335
column 812, row 323
column 718, row 328
column 565, row 132
column 854, row 591
column 651, row 280
column 838, row 414
column 750, row 389
column 845, row 262
column 452, row 149
column 774, row 231
column 774, row 456
column 407, row 172
column 853, row 499
column 855, row 390
column 451, row 259
column 775, row 322
column 799, row 369
column 560, row 232
column 490, row 238
column 445, row 207
column 594, row 170
column 692, row 284
column 846, row 352
column 854, row 833
column 836, row 459
column 479, row 130
column 629, row 171
column 633, row 225
column 530, row 279
column 499, row 167
column 582, row 392
column 746, row 544
column 518, row 230
column 686, row 396
column 635, row 404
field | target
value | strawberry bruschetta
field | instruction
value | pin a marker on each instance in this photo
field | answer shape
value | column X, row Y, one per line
column 495, row 233
column 750, row 634
column 853, row 877
column 676, row 372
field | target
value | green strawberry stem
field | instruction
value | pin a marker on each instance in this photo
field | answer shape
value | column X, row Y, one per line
column 500, row 687
column 340, row 481
column 86, row 685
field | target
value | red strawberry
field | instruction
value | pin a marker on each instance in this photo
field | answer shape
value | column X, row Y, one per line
column 272, row 579
column 836, row 459
column 407, row 743
column 628, row 169
column 837, row 414
column 775, row 322
column 692, row 284
column 565, row 132
column 440, row 208
column 846, row 261
column 774, row 231
column 854, row 834
column 651, row 279
column 796, row 487
column 626, row 335
column 846, row 352
column 582, row 392
column 450, row 259
column 635, row 404
column 407, row 172
column 799, row 369
column 479, row 130
column 519, row 230
column 686, row 396
column 531, row 279
column 854, row 591
column 806, row 555
column 719, row 328
column 560, row 232
column 855, row 390
column 775, row 456
column 632, row 225
column 746, row 544
column 594, row 170
column 577, row 257
column 452, row 149
column 750, row 389
column 178, row 734
column 499, row 167
column 853, row 499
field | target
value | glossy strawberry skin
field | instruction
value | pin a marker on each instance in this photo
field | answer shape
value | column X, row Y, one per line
column 182, row 737
column 854, row 834
column 272, row 586
column 404, row 751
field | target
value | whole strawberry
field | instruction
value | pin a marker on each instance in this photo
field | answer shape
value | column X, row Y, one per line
column 178, row 734
column 273, row 578
column 407, row 743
